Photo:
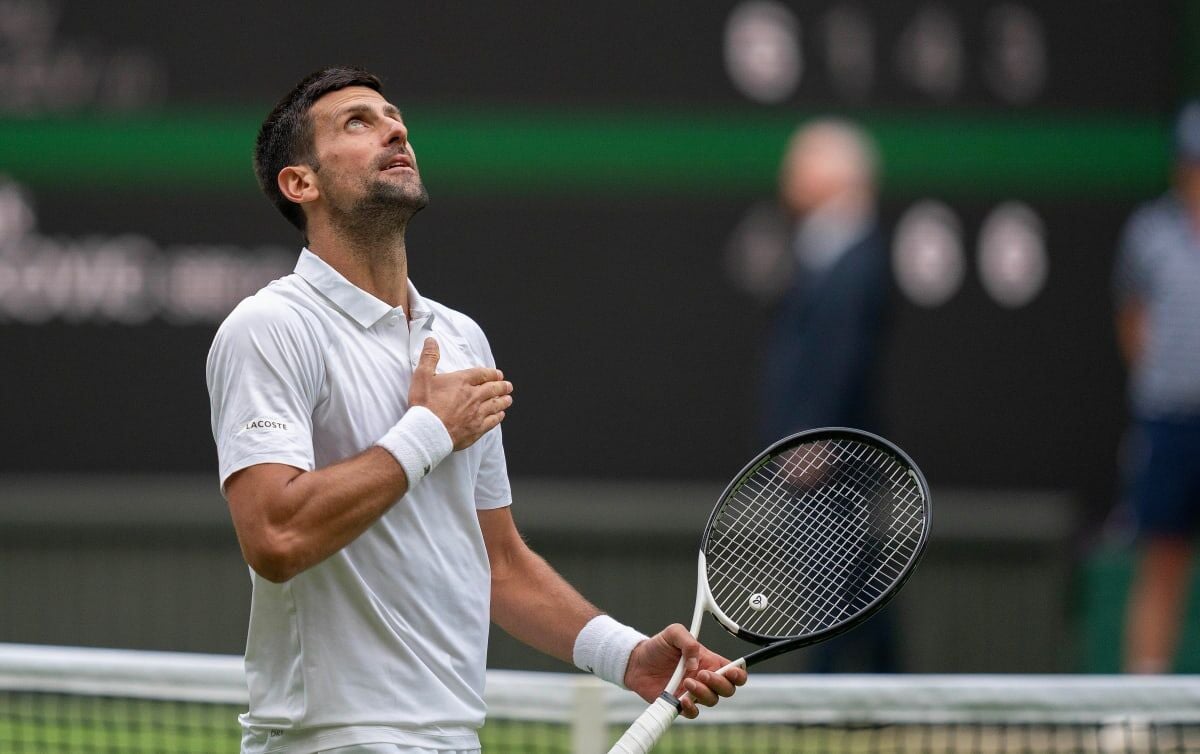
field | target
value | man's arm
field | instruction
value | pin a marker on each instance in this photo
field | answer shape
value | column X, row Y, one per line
column 534, row 604
column 1131, row 330
column 1130, row 281
column 288, row 520
column 530, row 600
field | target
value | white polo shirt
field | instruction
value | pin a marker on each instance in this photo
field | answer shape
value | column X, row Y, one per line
column 386, row 640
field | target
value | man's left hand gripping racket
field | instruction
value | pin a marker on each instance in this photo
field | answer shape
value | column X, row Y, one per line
column 810, row 539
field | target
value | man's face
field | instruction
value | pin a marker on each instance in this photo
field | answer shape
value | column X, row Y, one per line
column 366, row 169
column 818, row 169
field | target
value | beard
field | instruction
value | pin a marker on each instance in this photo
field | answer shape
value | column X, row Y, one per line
column 380, row 211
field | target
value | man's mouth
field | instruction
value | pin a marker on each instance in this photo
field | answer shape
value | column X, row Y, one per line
column 399, row 162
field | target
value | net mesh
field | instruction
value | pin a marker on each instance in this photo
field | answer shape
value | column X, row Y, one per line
column 60, row 701
column 812, row 536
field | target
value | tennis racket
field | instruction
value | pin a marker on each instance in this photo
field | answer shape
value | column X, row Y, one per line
column 810, row 539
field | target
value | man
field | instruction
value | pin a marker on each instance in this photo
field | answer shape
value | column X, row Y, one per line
column 1157, row 284
column 818, row 258
column 357, row 427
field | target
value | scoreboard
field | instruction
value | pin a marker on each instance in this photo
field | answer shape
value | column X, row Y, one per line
column 588, row 166
column 919, row 54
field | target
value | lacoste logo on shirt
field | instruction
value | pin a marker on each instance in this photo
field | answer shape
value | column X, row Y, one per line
column 263, row 424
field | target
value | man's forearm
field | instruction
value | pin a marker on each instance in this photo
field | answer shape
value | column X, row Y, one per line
column 537, row 606
column 289, row 520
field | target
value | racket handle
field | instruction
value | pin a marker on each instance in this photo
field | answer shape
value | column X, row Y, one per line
column 648, row 728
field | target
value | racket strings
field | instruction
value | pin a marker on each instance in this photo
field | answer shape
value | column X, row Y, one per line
column 829, row 563
column 769, row 576
column 809, row 602
column 833, row 528
column 859, row 549
column 855, row 541
column 861, row 582
column 828, row 560
column 820, row 531
column 836, row 568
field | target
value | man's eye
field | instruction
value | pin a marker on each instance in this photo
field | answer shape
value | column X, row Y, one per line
column 356, row 123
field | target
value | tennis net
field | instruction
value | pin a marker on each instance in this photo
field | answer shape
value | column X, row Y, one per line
column 56, row 700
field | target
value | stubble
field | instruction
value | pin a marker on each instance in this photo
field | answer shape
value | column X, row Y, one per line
column 380, row 213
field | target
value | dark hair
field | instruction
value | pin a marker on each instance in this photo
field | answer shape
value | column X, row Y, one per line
column 286, row 136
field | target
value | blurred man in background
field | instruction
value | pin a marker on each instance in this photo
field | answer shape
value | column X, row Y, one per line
column 1157, row 286
column 819, row 259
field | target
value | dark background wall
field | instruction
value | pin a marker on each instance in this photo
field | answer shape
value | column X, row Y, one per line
column 587, row 166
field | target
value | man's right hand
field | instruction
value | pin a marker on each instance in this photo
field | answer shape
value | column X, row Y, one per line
column 469, row 402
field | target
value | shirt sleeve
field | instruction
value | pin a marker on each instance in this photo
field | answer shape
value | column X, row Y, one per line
column 264, row 375
column 492, row 487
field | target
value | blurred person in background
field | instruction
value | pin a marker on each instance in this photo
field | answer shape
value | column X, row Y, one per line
column 818, row 259
column 1157, row 291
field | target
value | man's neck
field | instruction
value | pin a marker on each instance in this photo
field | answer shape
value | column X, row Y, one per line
column 380, row 269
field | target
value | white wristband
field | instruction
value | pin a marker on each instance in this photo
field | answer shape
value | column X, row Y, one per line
column 603, row 648
column 419, row 442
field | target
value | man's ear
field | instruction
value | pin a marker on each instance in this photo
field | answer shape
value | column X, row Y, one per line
column 298, row 183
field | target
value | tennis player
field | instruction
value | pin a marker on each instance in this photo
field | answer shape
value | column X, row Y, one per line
column 357, row 429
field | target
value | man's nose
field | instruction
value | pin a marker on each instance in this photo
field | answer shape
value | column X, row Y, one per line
column 396, row 132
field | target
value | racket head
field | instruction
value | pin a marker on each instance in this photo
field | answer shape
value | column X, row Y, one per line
column 812, row 537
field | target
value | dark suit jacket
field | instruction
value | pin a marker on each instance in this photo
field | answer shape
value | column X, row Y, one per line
column 825, row 344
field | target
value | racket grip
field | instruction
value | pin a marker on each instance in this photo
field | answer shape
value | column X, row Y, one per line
column 649, row 727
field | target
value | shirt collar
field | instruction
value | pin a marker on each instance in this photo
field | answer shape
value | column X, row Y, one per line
column 359, row 305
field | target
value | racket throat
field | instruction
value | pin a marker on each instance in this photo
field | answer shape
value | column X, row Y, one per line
column 703, row 602
column 703, row 595
column 706, row 603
